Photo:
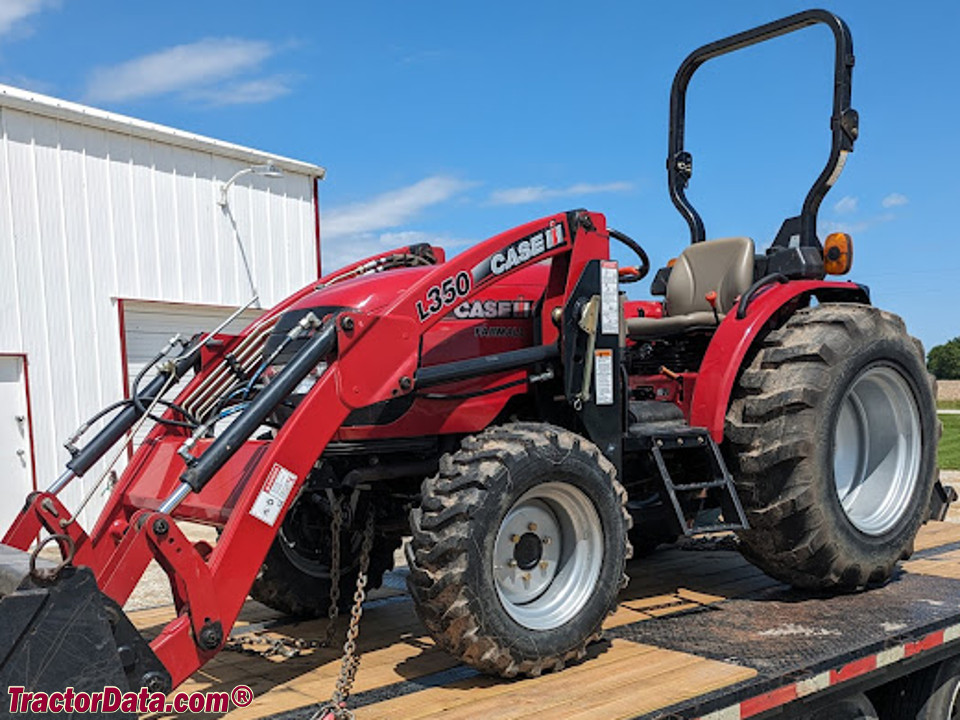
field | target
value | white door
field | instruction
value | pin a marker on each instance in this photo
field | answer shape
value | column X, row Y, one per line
column 149, row 325
column 16, row 466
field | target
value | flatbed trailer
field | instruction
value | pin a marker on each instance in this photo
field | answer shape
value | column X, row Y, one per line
column 698, row 633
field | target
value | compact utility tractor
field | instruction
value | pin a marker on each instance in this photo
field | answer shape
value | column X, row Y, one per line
column 519, row 417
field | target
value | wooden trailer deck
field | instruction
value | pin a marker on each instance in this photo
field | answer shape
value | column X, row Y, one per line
column 698, row 630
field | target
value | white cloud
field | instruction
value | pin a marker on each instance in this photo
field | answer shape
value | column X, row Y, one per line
column 390, row 209
column 846, row 205
column 248, row 92
column 894, row 200
column 197, row 67
column 539, row 193
column 13, row 11
column 361, row 229
column 855, row 228
column 851, row 228
column 346, row 250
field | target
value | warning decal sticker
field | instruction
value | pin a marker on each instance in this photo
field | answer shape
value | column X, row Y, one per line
column 273, row 495
column 603, row 372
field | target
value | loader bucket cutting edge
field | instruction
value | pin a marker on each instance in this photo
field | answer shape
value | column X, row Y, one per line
column 66, row 633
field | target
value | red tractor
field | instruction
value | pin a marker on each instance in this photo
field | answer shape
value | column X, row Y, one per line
column 519, row 417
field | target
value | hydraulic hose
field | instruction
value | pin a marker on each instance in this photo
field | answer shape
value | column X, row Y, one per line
column 124, row 420
column 266, row 401
column 639, row 251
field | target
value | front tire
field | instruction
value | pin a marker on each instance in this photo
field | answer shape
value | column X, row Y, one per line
column 833, row 429
column 295, row 577
column 519, row 548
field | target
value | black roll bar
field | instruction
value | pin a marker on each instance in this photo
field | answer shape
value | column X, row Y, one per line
column 844, row 121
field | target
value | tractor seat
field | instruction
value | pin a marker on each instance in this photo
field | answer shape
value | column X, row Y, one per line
column 724, row 266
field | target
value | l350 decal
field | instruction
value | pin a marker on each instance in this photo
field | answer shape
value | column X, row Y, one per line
column 517, row 253
column 444, row 295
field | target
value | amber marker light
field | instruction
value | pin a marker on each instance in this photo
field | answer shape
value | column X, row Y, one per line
column 838, row 254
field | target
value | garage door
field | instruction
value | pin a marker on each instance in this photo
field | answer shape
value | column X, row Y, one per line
column 149, row 325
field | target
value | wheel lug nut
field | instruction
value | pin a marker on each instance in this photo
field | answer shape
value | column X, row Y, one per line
column 511, row 563
column 532, row 527
column 545, row 539
column 543, row 564
column 526, row 577
column 514, row 538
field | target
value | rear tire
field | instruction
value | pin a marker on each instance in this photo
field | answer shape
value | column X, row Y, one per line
column 833, row 429
column 519, row 548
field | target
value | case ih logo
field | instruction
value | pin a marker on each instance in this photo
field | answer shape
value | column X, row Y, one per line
column 494, row 309
column 520, row 252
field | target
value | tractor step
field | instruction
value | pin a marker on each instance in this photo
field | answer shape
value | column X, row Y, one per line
column 656, row 439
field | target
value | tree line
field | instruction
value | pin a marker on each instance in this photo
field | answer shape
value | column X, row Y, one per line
column 944, row 360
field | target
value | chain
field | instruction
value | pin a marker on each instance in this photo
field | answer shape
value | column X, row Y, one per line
column 336, row 523
column 336, row 708
column 290, row 648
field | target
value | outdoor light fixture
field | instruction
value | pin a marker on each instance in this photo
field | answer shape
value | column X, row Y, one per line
column 269, row 170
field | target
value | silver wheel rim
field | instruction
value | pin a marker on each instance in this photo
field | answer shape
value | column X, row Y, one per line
column 547, row 555
column 876, row 463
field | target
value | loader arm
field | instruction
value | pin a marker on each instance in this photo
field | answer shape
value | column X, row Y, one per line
column 373, row 355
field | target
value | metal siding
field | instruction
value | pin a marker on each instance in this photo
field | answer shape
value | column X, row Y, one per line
column 142, row 178
column 10, row 334
column 91, row 215
column 103, row 268
column 149, row 325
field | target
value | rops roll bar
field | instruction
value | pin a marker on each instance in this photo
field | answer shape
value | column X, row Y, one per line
column 844, row 122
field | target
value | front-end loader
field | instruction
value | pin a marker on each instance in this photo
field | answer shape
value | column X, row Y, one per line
column 517, row 415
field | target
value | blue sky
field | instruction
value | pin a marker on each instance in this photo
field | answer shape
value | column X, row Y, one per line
column 453, row 121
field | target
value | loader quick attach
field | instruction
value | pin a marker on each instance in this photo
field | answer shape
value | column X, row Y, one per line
column 517, row 415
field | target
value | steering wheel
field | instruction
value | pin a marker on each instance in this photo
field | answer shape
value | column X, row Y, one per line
column 632, row 274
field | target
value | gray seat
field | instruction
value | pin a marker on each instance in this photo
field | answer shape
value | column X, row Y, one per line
column 724, row 266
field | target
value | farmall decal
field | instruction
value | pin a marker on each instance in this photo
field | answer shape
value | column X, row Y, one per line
column 519, row 252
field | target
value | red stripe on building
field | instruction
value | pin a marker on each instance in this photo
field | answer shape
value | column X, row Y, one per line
column 316, row 224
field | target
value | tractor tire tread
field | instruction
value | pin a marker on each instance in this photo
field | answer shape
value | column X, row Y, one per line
column 770, row 428
column 442, row 533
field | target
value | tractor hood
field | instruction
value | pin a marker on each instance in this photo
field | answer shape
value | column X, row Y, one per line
column 366, row 293
column 375, row 291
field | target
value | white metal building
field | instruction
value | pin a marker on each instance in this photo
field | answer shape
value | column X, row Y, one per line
column 112, row 236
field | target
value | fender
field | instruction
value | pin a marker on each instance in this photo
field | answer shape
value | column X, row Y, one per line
column 725, row 356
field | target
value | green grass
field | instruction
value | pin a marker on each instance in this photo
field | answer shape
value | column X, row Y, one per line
column 950, row 442
column 948, row 404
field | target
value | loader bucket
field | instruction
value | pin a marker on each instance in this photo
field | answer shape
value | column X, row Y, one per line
column 62, row 632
